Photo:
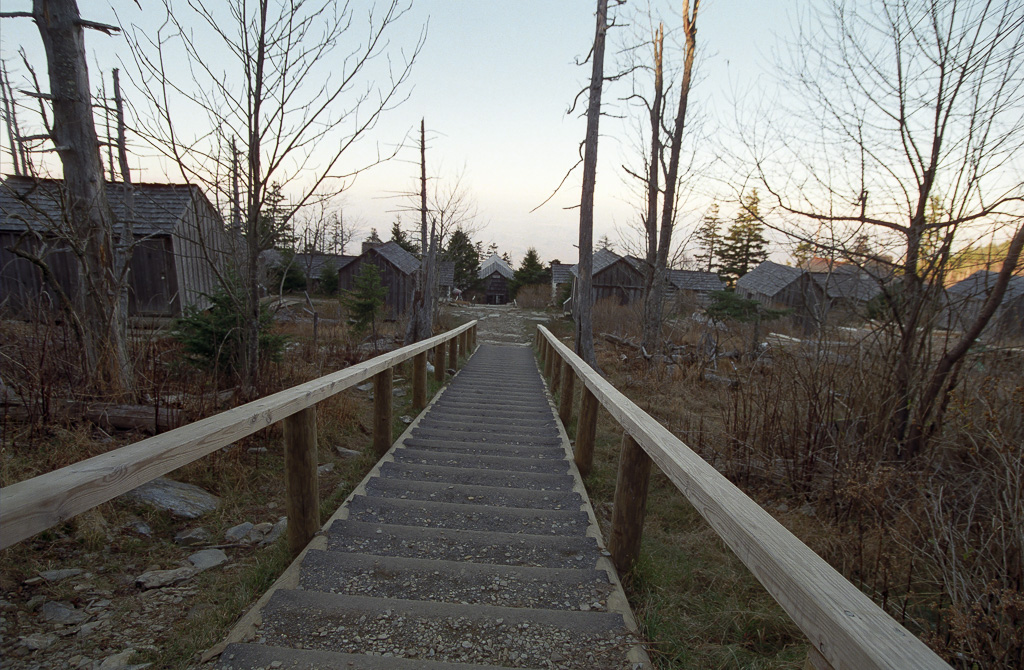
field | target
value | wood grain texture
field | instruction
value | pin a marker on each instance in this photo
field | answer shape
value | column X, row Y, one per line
column 302, row 501
column 453, row 353
column 383, row 403
column 31, row 506
column 586, row 431
column 630, row 505
column 556, row 375
column 568, row 389
column 840, row 621
column 419, row 381
column 439, row 363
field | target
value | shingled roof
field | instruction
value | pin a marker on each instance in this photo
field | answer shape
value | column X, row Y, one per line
column 37, row 204
column 397, row 256
column 496, row 264
column 980, row 284
column 769, row 278
column 605, row 258
column 847, row 282
column 695, row 280
column 561, row 273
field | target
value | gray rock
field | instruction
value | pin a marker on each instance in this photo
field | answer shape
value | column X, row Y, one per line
column 192, row 537
column 88, row 628
column 207, row 558
column 183, row 500
column 277, row 531
column 117, row 661
column 239, row 532
column 325, row 468
column 58, row 612
column 430, row 367
column 364, row 387
column 37, row 641
column 263, row 528
column 398, row 393
column 58, row 575
column 406, row 419
column 257, row 450
column 141, row 527
column 347, row 453
column 155, row 579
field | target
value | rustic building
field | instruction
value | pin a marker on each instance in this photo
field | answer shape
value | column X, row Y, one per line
column 496, row 276
column 561, row 276
column 783, row 287
column 616, row 278
column 965, row 299
column 692, row 288
column 848, row 288
column 311, row 265
column 445, row 279
column 397, row 272
column 179, row 245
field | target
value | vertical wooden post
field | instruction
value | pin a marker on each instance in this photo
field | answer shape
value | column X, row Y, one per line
column 382, row 402
column 565, row 403
column 630, row 504
column 453, row 353
column 419, row 381
column 556, row 373
column 474, row 337
column 549, row 361
column 464, row 343
column 302, row 502
column 439, row 366
column 586, row 431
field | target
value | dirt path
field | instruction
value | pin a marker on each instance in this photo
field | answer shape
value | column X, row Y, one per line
column 502, row 324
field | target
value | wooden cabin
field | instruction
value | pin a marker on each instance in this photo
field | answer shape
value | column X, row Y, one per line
column 783, row 287
column 180, row 245
column 689, row 289
column 496, row 276
column 965, row 299
column 397, row 269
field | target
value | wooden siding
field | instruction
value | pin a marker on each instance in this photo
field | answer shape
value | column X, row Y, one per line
column 153, row 287
column 803, row 296
column 201, row 250
column 22, row 288
column 619, row 281
column 496, row 289
column 400, row 285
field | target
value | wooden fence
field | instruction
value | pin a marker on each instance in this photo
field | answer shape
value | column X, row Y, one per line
column 845, row 628
column 32, row 506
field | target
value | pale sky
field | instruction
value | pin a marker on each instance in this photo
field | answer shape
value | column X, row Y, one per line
column 494, row 82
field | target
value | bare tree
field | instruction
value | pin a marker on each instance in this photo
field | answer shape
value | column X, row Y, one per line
column 304, row 83
column 908, row 103
column 98, row 313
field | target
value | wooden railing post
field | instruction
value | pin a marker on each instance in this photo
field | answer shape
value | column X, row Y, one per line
column 586, row 431
column 549, row 361
column 472, row 338
column 302, row 502
column 419, row 381
column 556, row 373
column 439, row 365
column 464, row 343
column 382, row 402
column 565, row 403
column 453, row 352
column 630, row 504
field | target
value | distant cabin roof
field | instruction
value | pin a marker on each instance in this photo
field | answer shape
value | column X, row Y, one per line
column 397, row 256
column 605, row 258
column 695, row 280
column 446, row 273
column 27, row 202
column 847, row 282
column 980, row 284
column 769, row 278
column 496, row 264
column 311, row 264
column 561, row 273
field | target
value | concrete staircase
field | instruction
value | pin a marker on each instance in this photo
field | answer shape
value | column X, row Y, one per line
column 470, row 545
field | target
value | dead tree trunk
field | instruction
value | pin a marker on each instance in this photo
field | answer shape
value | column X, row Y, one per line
column 421, row 320
column 74, row 134
column 584, row 299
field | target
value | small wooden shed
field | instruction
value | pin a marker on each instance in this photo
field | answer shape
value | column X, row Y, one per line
column 693, row 288
column 783, row 287
column 179, row 245
column 496, row 276
column 965, row 299
column 615, row 277
column 397, row 269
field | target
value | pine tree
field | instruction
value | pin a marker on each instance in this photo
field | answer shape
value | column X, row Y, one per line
column 464, row 255
column 366, row 298
column 531, row 271
column 400, row 237
column 744, row 246
column 709, row 239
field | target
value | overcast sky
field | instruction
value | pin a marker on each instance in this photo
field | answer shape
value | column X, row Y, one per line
column 494, row 82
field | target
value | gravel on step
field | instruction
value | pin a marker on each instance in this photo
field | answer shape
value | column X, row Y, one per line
column 476, row 495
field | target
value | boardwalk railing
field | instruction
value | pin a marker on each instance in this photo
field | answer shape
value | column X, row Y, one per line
column 846, row 629
column 32, row 506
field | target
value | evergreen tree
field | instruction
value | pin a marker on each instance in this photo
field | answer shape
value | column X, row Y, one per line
column 802, row 254
column 531, row 271
column 606, row 243
column 463, row 254
column 402, row 238
column 365, row 299
column 507, row 258
column 274, row 231
column 744, row 246
column 709, row 239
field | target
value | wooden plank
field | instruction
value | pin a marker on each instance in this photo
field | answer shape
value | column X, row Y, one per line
column 565, row 402
column 845, row 626
column 453, row 353
column 630, row 505
column 31, row 506
column 586, row 432
column 302, row 502
column 383, row 402
column 439, row 365
column 419, row 381
column 556, row 374
column 549, row 362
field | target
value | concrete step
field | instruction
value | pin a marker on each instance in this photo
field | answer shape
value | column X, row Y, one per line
column 535, row 481
column 480, row 461
column 542, row 551
column 461, row 516
column 486, row 448
column 477, row 495
column 455, row 582
column 243, row 656
column 445, row 632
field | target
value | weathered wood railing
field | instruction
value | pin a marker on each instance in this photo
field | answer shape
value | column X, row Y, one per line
column 32, row 506
column 846, row 629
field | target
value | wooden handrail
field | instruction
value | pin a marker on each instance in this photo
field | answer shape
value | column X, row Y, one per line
column 845, row 627
column 33, row 505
